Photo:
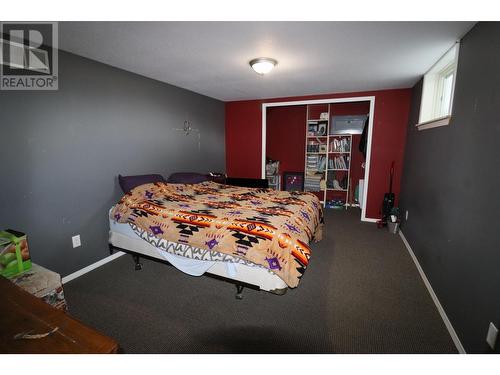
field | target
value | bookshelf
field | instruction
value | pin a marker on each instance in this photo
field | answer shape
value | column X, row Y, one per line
column 327, row 159
column 316, row 155
column 338, row 169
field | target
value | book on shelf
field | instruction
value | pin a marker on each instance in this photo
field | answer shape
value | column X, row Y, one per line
column 322, row 163
column 339, row 162
column 340, row 145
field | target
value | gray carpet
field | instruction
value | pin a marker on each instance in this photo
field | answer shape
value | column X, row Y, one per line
column 360, row 294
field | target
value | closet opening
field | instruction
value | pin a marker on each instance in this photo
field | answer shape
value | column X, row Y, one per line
column 320, row 146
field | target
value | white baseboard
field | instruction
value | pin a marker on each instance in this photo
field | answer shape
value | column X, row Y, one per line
column 91, row 267
column 441, row 311
column 369, row 220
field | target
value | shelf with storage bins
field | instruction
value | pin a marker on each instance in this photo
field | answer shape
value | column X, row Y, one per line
column 338, row 170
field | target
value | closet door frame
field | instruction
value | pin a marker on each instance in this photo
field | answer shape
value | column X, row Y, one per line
column 370, row 99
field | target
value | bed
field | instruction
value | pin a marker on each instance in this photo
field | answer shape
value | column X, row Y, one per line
column 255, row 238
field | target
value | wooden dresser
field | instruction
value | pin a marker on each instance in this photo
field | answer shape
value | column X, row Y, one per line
column 22, row 314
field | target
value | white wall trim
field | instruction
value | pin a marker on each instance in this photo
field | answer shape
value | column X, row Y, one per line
column 370, row 99
column 91, row 267
column 368, row 160
column 439, row 307
column 442, row 121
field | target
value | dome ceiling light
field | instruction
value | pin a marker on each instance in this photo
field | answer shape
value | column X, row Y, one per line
column 263, row 65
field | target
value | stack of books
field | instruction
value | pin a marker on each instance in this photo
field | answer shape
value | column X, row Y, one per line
column 316, row 162
column 312, row 162
column 312, row 182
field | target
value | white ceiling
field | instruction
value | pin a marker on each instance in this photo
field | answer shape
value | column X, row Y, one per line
column 211, row 58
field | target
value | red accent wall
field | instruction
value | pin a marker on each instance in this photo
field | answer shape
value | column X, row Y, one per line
column 244, row 139
column 286, row 137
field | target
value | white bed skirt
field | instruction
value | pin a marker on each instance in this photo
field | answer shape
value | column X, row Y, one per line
column 122, row 236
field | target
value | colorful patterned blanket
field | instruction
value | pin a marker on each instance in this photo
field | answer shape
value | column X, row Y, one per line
column 267, row 227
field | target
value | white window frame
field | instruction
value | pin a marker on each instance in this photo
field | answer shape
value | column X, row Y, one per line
column 431, row 112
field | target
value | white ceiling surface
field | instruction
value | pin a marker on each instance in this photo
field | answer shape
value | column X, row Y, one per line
column 211, row 58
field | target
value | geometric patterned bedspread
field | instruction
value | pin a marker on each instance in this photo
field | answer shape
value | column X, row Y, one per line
column 188, row 251
column 266, row 227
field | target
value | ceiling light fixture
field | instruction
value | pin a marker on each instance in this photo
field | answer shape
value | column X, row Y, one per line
column 263, row 65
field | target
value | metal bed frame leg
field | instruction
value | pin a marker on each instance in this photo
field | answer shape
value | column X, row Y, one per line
column 239, row 291
column 138, row 264
column 239, row 285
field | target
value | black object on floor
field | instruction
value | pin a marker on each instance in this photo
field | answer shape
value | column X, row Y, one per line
column 360, row 294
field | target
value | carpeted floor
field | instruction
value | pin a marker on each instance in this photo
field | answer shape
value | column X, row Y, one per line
column 360, row 294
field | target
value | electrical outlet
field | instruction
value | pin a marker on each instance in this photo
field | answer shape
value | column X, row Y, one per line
column 491, row 337
column 406, row 215
column 76, row 241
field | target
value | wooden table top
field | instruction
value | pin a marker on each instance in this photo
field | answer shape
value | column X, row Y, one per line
column 22, row 314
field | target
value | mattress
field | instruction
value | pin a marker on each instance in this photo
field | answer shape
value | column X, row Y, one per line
column 122, row 235
column 227, row 223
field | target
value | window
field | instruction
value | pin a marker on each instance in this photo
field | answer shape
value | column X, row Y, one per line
column 437, row 93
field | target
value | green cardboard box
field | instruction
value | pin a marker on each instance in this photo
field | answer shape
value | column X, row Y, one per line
column 14, row 253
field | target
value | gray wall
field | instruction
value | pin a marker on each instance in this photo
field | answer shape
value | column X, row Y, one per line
column 450, row 188
column 61, row 153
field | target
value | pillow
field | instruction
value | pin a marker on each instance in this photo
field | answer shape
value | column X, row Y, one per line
column 127, row 183
column 187, row 178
